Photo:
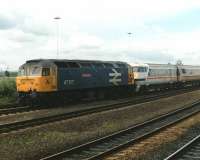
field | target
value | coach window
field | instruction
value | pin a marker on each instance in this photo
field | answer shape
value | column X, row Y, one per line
column 150, row 72
column 45, row 71
column 183, row 71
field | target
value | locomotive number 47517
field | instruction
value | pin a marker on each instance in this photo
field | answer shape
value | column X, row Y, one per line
column 69, row 82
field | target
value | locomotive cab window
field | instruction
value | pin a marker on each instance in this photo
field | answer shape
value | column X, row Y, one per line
column 35, row 71
column 135, row 69
column 139, row 69
column 45, row 71
column 21, row 72
column 142, row 69
column 183, row 71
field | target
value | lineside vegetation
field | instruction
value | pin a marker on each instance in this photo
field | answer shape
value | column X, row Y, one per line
column 7, row 86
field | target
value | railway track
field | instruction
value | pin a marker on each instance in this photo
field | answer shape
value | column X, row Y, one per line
column 189, row 151
column 7, row 106
column 17, row 108
column 100, row 148
column 8, row 127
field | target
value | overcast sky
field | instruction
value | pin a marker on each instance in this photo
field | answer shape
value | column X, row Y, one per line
column 162, row 31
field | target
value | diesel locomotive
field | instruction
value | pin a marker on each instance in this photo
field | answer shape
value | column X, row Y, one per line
column 48, row 79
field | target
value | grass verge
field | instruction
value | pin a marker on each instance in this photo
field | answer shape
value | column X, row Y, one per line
column 7, row 90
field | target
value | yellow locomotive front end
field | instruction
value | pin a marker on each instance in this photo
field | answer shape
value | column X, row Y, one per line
column 36, row 78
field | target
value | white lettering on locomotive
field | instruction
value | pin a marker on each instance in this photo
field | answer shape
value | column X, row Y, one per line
column 68, row 82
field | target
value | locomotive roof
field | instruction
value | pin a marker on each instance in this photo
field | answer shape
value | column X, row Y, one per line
column 67, row 60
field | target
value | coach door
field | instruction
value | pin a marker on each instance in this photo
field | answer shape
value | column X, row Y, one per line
column 178, row 75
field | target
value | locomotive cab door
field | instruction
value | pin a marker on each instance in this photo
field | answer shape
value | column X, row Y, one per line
column 49, row 76
column 130, row 76
column 54, row 77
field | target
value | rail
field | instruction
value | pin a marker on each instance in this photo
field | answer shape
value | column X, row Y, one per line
column 191, row 150
column 100, row 148
column 8, row 127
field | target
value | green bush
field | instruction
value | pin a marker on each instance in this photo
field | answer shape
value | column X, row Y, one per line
column 7, row 86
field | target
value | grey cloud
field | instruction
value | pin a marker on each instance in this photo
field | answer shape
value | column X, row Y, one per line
column 151, row 56
column 7, row 22
column 38, row 31
column 89, row 47
column 23, row 23
column 37, row 28
column 23, row 39
column 134, row 56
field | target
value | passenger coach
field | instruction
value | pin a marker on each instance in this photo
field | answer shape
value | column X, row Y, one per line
column 154, row 76
column 189, row 75
column 164, row 76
